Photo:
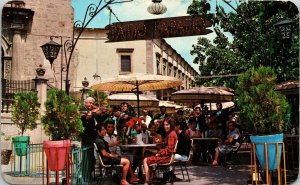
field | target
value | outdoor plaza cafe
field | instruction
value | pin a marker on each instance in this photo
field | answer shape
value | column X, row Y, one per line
column 147, row 142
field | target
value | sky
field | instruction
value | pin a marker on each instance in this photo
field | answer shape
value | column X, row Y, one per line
column 137, row 10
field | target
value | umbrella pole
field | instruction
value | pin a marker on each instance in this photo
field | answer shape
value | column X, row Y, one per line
column 138, row 99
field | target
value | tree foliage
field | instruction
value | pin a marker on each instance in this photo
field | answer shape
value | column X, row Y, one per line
column 254, row 40
column 262, row 109
column 25, row 111
column 62, row 118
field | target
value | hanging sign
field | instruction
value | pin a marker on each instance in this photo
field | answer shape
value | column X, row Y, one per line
column 158, row 28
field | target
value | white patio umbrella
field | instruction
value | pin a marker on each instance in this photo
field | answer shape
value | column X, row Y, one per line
column 137, row 82
column 144, row 100
column 202, row 94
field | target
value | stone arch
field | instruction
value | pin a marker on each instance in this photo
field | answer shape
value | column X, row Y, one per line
column 6, row 58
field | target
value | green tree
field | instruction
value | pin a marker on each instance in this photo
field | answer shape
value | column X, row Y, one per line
column 25, row 111
column 262, row 109
column 254, row 40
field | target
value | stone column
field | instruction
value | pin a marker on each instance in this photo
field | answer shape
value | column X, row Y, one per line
column 41, row 88
column 18, row 55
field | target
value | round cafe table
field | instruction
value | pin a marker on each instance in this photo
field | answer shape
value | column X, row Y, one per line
column 138, row 146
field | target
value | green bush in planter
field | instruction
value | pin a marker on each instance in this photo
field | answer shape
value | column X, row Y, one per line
column 25, row 112
column 262, row 109
column 62, row 118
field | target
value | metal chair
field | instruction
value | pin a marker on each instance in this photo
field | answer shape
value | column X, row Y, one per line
column 165, row 166
column 105, row 170
column 185, row 162
column 227, row 159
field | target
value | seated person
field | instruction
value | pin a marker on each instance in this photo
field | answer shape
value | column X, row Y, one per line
column 154, row 138
column 184, row 143
column 214, row 131
column 110, row 138
column 113, row 159
column 229, row 144
column 164, row 154
column 192, row 132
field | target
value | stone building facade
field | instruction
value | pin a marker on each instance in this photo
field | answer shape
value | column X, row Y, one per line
column 100, row 60
column 25, row 26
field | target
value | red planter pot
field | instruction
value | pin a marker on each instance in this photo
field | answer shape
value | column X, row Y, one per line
column 57, row 154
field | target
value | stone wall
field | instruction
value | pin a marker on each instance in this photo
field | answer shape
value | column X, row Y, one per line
column 50, row 18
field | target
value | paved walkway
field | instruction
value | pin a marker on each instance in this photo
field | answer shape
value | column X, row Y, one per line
column 204, row 175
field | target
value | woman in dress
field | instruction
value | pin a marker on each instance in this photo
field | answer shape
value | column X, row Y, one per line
column 165, row 153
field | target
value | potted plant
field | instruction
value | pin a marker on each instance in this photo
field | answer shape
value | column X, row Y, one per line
column 5, row 153
column 262, row 111
column 25, row 112
column 62, row 122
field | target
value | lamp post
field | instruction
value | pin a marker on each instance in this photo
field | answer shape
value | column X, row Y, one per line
column 285, row 28
column 52, row 48
column 85, row 88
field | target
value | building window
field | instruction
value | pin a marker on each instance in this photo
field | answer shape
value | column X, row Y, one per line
column 125, row 63
column 170, row 70
column 175, row 72
column 158, row 65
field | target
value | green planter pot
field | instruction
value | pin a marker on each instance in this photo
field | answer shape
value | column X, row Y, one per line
column 21, row 144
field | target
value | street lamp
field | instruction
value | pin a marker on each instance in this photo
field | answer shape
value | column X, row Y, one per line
column 157, row 8
column 285, row 28
column 51, row 50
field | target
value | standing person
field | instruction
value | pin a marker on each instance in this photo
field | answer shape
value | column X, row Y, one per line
column 146, row 119
column 165, row 153
column 89, row 114
column 221, row 118
column 179, row 117
column 200, row 119
column 125, row 114
column 163, row 113
column 161, row 116
column 110, row 138
column 113, row 159
column 116, row 117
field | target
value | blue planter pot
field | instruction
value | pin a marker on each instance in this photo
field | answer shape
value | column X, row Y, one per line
column 259, row 143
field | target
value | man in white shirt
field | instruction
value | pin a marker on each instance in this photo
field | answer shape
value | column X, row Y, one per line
column 112, row 140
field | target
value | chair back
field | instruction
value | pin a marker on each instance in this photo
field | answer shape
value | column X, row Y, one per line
column 96, row 151
column 191, row 150
column 173, row 155
column 240, row 140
